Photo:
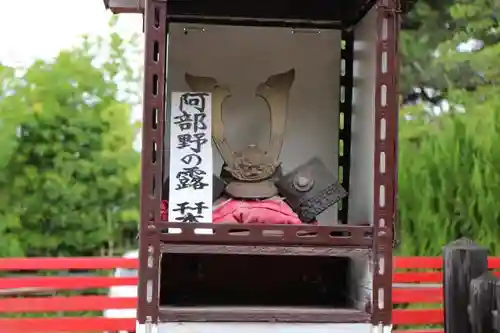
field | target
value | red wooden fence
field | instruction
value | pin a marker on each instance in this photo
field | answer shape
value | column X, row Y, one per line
column 417, row 306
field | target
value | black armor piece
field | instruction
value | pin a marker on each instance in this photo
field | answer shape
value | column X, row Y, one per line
column 310, row 189
column 217, row 189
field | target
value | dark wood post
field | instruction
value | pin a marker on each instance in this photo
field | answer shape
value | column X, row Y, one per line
column 496, row 313
column 463, row 260
column 481, row 301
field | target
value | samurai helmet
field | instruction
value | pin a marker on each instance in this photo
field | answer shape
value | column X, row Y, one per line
column 251, row 168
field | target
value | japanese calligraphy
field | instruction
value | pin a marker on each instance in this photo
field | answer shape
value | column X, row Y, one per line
column 194, row 141
column 188, row 122
column 190, row 158
column 195, row 100
column 189, row 213
column 191, row 178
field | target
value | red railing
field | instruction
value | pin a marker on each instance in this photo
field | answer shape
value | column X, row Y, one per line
column 416, row 295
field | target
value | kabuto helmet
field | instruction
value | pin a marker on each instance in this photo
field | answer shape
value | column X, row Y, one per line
column 250, row 171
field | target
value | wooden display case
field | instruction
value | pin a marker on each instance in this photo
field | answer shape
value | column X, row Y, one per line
column 342, row 108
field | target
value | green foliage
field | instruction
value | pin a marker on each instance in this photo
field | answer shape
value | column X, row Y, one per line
column 68, row 172
column 442, row 25
column 449, row 179
column 430, row 24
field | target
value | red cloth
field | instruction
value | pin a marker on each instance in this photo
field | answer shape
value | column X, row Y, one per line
column 270, row 211
column 164, row 210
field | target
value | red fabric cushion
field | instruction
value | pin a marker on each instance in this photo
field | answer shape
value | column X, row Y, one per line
column 270, row 211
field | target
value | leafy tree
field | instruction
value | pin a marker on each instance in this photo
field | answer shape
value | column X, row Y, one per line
column 68, row 172
column 426, row 26
column 449, row 178
column 436, row 28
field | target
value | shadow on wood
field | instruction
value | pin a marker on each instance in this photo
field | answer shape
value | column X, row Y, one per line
column 481, row 300
column 463, row 260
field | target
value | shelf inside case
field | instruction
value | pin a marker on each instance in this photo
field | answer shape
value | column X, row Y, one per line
column 224, row 234
column 278, row 283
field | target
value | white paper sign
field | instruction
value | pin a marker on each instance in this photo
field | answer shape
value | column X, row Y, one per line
column 191, row 165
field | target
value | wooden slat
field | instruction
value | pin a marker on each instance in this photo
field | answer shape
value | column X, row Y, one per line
column 494, row 262
column 417, row 277
column 419, row 331
column 66, row 282
column 417, row 316
column 417, row 295
column 433, row 262
column 93, row 324
column 90, row 263
column 66, row 324
column 400, row 295
column 418, row 262
column 87, row 263
column 56, row 304
column 100, row 303
column 422, row 277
